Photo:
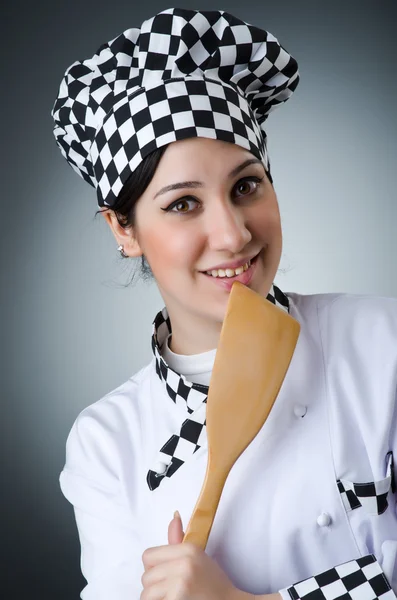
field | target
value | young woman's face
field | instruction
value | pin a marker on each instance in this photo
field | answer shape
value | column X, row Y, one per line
column 219, row 217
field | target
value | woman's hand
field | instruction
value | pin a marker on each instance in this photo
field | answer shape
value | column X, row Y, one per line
column 184, row 572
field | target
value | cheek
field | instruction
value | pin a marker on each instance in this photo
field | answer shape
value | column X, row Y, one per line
column 266, row 223
column 166, row 247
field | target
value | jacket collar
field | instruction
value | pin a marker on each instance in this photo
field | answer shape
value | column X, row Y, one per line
column 174, row 382
column 192, row 397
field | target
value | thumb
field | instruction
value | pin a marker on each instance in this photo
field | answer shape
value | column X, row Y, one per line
column 175, row 529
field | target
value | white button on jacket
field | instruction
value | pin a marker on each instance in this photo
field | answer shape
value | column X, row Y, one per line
column 324, row 520
column 300, row 410
column 161, row 468
column 270, row 531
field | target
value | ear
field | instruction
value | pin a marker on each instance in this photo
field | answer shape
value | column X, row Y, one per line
column 123, row 236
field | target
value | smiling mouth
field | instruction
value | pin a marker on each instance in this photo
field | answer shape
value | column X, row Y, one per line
column 231, row 277
column 245, row 277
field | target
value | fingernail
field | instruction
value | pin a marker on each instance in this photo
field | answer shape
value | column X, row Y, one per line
column 177, row 515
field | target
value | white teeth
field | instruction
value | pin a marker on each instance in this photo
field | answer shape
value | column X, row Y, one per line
column 229, row 272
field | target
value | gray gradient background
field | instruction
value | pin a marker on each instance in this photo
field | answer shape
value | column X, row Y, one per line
column 71, row 331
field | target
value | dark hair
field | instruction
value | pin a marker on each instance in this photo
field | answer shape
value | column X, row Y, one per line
column 125, row 205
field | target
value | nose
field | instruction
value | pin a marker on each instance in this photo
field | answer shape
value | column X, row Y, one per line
column 227, row 227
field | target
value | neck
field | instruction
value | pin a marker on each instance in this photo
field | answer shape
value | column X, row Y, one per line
column 193, row 335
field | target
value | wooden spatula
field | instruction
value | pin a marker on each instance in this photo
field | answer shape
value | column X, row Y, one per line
column 255, row 348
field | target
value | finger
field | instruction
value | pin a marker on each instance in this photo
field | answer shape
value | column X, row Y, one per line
column 166, row 571
column 175, row 529
column 164, row 589
column 157, row 591
column 158, row 554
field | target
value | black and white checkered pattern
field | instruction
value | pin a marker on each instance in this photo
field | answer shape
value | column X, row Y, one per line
column 184, row 73
column 192, row 397
column 361, row 579
column 372, row 496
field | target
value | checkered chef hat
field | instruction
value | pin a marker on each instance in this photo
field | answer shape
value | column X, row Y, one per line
column 184, row 73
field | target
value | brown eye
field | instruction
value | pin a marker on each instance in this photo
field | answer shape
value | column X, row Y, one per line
column 245, row 186
column 177, row 204
column 180, row 203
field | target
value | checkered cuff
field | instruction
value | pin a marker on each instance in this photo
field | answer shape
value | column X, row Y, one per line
column 361, row 579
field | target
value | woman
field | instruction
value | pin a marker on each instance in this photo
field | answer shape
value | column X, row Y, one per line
column 166, row 121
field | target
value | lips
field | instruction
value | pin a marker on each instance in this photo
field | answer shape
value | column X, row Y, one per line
column 235, row 277
column 226, row 283
column 233, row 268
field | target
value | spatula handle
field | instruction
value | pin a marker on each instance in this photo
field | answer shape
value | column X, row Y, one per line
column 200, row 524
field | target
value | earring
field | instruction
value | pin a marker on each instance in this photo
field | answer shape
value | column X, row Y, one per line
column 121, row 250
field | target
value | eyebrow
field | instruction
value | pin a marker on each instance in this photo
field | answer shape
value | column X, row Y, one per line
column 197, row 184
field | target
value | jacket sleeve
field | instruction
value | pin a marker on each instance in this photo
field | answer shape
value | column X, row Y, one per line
column 111, row 555
column 358, row 579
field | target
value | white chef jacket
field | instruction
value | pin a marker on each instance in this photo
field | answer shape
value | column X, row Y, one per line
column 309, row 508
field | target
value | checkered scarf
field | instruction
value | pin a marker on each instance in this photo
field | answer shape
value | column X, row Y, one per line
column 183, row 73
column 192, row 397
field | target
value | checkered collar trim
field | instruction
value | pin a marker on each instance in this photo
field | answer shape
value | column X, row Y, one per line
column 192, row 397
column 177, row 386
